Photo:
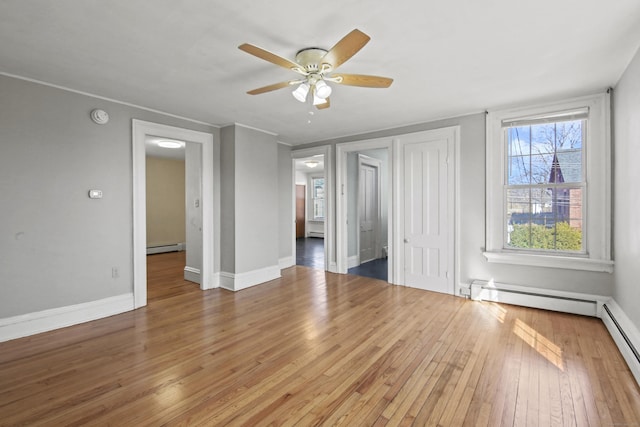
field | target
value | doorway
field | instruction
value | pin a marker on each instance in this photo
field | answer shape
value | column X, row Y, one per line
column 209, row 202
column 173, row 195
column 310, row 211
column 365, row 208
column 312, row 169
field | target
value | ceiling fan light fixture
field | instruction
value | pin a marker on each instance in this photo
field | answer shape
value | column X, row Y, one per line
column 317, row 100
column 301, row 92
column 323, row 90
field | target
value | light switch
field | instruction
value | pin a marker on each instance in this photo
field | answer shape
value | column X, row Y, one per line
column 95, row 194
column 197, row 203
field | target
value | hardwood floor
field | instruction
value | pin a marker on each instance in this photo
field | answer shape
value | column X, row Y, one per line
column 316, row 348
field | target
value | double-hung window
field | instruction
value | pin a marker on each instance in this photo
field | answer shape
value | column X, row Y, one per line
column 548, row 181
column 317, row 197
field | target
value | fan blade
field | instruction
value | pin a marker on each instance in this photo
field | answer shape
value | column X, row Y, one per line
column 345, row 48
column 324, row 105
column 363, row 80
column 269, row 88
column 271, row 57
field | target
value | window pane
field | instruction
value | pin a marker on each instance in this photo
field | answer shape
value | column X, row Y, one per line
column 519, row 155
column 318, row 208
column 545, row 153
column 318, row 188
column 545, row 219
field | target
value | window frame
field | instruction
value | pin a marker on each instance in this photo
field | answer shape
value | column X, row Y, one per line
column 312, row 198
column 596, row 176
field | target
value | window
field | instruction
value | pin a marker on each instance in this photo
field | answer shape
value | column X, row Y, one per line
column 548, row 180
column 544, row 183
column 317, row 197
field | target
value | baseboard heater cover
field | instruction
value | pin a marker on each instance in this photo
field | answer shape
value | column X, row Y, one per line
column 624, row 334
column 546, row 299
column 319, row 234
column 165, row 248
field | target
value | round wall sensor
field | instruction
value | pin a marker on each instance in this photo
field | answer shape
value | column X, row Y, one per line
column 99, row 116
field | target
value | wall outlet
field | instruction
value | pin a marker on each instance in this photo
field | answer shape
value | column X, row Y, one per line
column 115, row 273
column 465, row 292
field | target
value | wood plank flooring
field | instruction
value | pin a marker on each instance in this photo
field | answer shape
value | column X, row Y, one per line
column 316, row 348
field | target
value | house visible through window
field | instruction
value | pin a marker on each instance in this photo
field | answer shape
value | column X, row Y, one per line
column 317, row 188
column 545, row 182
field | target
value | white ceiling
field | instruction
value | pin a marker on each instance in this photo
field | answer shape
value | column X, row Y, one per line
column 448, row 58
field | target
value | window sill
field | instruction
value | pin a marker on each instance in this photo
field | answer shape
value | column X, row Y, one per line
column 565, row 262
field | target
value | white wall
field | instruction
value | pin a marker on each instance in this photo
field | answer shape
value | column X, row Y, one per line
column 626, row 241
column 57, row 246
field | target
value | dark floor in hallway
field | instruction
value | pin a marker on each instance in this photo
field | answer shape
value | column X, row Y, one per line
column 376, row 269
column 310, row 252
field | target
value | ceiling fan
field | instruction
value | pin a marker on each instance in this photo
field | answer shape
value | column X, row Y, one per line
column 316, row 67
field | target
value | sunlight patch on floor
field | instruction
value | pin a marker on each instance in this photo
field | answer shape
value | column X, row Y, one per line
column 539, row 343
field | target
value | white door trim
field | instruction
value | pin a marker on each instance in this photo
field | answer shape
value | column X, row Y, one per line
column 342, row 150
column 325, row 150
column 377, row 164
column 140, row 130
column 453, row 135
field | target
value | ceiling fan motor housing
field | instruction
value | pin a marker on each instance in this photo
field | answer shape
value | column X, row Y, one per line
column 310, row 59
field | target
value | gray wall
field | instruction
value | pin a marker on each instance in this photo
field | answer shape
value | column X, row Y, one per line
column 626, row 102
column 285, row 201
column 193, row 213
column 57, row 246
column 227, row 199
column 473, row 264
column 249, row 198
column 256, row 200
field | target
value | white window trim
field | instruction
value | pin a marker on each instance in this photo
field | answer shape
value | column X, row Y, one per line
column 598, row 179
column 310, row 178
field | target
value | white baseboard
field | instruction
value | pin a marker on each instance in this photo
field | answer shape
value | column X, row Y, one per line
column 625, row 334
column 192, row 274
column 48, row 320
column 239, row 281
column 166, row 248
column 547, row 299
column 215, row 282
column 286, row 262
column 333, row 267
column 353, row 261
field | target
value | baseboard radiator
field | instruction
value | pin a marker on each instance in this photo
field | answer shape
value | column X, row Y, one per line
column 546, row 299
column 319, row 234
column 625, row 335
column 176, row 247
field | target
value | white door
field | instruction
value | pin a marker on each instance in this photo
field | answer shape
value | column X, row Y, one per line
column 368, row 212
column 428, row 216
